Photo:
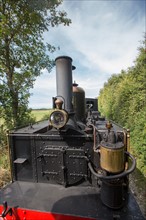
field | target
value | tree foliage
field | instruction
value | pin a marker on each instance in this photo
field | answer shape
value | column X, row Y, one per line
column 23, row 52
column 123, row 99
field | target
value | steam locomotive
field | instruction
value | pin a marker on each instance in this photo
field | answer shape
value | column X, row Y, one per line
column 73, row 166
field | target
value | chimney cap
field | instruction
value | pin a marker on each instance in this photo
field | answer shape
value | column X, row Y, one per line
column 63, row 57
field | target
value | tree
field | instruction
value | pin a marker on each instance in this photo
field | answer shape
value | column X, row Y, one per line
column 23, row 52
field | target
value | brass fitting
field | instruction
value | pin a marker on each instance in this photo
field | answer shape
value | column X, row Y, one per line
column 58, row 103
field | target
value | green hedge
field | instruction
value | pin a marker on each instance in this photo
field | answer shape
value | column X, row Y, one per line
column 123, row 99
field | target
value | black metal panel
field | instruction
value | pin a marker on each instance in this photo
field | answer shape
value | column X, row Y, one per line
column 93, row 102
column 76, row 165
column 21, row 152
column 49, row 158
column 50, row 165
column 39, row 127
column 60, row 159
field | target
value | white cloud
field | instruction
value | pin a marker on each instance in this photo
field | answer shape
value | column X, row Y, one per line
column 102, row 39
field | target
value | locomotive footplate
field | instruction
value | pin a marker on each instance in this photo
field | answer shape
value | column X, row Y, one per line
column 76, row 202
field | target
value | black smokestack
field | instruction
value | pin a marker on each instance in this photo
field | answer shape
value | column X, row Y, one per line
column 64, row 80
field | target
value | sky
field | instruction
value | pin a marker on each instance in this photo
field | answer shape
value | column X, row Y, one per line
column 102, row 40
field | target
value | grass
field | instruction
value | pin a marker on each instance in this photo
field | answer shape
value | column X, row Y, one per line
column 41, row 114
column 4, row 167
column 138, row 188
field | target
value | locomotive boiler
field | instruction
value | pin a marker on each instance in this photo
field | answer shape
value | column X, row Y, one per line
column 75, row 165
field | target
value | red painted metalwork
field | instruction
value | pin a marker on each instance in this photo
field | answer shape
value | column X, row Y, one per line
column 25, row 214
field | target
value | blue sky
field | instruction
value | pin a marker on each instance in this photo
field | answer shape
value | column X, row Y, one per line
column 102, row 40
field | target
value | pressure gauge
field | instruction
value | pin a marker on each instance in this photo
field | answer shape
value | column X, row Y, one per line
column 58, row 118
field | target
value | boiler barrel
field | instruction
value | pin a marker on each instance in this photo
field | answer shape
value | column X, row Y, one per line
column 64, row 80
